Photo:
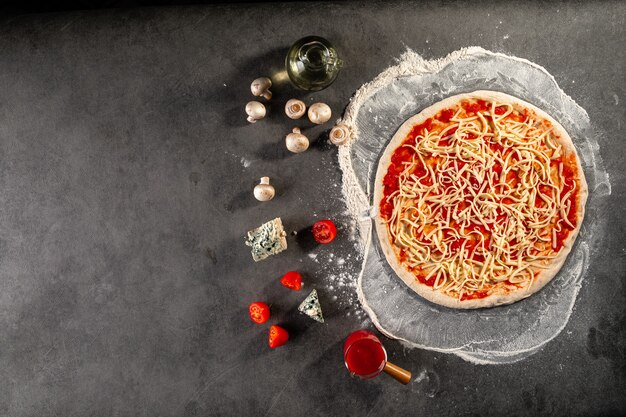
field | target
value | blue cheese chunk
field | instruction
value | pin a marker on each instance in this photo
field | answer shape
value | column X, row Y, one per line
column 267, row 239
column 311, row 307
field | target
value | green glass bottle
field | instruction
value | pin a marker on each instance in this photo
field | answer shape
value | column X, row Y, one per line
column 312, row 63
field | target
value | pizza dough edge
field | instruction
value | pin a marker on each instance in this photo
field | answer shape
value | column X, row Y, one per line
column 407, row 277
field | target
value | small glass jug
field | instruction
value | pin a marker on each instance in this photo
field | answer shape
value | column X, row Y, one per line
column 366, row 357
column 312, row 63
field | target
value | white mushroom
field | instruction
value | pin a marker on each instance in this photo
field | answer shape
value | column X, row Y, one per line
column 255, row 111
column 319, row 113
column 295, row 108
column 261, row 87
column 296, row 142
column 339, row 134
column 264, row 191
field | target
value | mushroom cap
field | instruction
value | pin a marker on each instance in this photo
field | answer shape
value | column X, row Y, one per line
column 260, row 86
column 296, row 142
column 319, row 113
column 295, row 109
column 264, row 191
column 255, row 109
column 339, row 134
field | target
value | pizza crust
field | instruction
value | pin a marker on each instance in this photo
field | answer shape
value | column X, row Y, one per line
column 495, row 299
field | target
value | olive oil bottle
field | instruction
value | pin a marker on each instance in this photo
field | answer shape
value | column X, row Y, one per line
column 312, row 63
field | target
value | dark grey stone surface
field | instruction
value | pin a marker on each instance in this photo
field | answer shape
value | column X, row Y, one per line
column 126, row 170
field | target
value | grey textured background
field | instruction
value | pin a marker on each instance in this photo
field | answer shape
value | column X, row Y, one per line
column 126, row 173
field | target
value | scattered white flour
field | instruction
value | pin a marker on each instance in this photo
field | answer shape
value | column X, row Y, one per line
column 426, row 383
column 343, row 279
column 340, row 277
column 242, row 160
column 515, row 331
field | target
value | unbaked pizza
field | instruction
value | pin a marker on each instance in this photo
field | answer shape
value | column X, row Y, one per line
column 480, row 198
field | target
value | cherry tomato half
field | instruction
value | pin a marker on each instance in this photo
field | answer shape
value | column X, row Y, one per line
column 324, row 231
column 259, row 312
column 278, row 336
column 292, row 280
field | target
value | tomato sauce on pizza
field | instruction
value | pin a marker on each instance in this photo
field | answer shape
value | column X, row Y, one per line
column 480, row 198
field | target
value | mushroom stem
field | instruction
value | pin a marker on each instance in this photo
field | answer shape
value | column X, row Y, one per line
column 295, row 108
column 339, row 134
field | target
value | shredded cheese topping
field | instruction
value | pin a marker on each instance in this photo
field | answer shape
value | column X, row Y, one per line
column 480, row 199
